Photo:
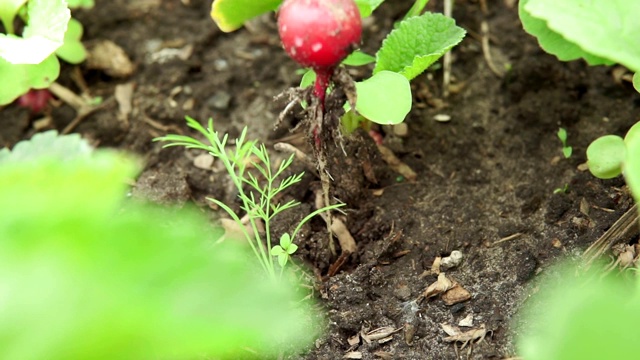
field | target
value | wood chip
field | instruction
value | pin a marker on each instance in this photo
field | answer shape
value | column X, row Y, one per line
column 396, row 164
column 123, row 94
column 347, row 242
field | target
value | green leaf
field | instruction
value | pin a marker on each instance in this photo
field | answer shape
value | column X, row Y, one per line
column 282, row 260
column 285, row 241
column 367, row 7
column 277, row 251
column 308, row 79
column 416, row 8
column 230, row 15
column 636, row 82
column 41, row 37
column 19, row 78
column 292, row 249
column 605, row 156
column 385, row 98
column 632, row 162
column 417, row 43
column 562, row 135
column 73, row 4
column 632, row 133
column 580, row 319
column 8, row 11
column 358, row 58
column 605, row 29
column 118, row 280
column 552, row 42
column 48, row 145
column 72, row 50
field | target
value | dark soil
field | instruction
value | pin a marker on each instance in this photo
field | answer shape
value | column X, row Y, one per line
column 488, row 174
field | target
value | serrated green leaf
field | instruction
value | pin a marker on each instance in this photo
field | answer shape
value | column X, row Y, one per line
column 19, row 78
column 230, row 15
column 552, row 42
column 41, row 37
column 417, row 43
column 72, row 50
column 605, row 28
column 48, row 145
column 8, row 11
column 385, row 98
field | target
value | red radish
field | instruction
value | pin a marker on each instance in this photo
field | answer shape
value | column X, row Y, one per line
column 35, row 100
column 319, row 34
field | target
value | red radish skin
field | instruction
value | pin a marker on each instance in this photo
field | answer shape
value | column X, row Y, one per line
column 319, row 34
column 35, row 100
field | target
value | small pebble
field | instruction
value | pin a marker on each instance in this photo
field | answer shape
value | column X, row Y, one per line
column 401, row 129
column 220, row 100
column 220, row 64
column 442, row 118
column 402, row 292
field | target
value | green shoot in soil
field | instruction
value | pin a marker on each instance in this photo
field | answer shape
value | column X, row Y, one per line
column 258, row 201
column 566, row 150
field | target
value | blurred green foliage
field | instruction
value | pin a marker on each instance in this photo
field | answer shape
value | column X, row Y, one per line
column 87, row 274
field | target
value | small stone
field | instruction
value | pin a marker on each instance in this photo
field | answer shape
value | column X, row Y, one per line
column 451, row 261
column 203, row 161
column 442, row 118
column 402, row 292
column 220, row 100
column 220, row 64
column 401, row 129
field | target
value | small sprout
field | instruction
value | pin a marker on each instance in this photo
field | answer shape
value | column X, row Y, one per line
column 562, row 190
column 566, row 150
column 284, row 250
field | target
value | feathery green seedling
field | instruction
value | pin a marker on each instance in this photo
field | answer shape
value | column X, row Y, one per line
column 258, row 202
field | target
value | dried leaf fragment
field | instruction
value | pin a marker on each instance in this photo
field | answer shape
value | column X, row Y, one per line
column 378, row 334
column 467, row 337
column 467, row 321
column 107, row 56
column 456, row 294
column 353, row 355
column 438, row 287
